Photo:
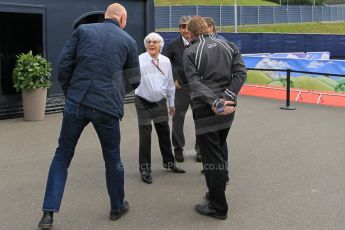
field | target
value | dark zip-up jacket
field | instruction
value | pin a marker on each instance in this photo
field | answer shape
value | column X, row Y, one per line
column 174, row 51
column 214, row 69
column 95, row 64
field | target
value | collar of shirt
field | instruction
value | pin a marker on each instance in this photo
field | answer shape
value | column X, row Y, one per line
column 149, row 58
column 185, row 41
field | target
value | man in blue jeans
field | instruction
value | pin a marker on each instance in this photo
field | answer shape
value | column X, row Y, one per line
column 92, row 68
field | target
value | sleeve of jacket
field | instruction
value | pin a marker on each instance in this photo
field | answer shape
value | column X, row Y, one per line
column 239, row 75
column 170, row 52
column 131, row 69
column 66, row 61
column 193, row 76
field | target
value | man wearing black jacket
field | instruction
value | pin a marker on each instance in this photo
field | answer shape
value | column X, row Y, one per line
column 215, row 72
column 174, row 51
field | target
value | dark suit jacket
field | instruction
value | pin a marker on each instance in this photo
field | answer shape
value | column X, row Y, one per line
column 174, row 51
column 95, row 63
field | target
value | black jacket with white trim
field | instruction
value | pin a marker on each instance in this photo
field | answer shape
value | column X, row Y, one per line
column 214, row 69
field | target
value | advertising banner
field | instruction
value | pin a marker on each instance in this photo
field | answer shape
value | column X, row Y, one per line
column 309, row 62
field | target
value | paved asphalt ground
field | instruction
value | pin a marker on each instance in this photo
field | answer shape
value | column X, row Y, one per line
column 287, row 172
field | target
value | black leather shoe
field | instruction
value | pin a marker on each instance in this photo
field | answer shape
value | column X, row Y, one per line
column 177, row 169
column 174, row 168
column 146, row 177
column 179, row 156
column 198, row 157
column 46, row 221
column 207, row 210
column 207, row 196
column 116, row 214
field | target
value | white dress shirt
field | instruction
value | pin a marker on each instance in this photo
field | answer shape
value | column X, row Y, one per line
column 154, row 86
column 185, row 42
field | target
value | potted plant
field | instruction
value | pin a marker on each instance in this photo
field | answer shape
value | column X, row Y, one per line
column 31, row 75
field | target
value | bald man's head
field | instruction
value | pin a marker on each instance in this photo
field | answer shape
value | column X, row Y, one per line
column 118, row 12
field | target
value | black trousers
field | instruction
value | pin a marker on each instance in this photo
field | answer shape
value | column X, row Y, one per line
column 158, row 113
column 182, row 103
column 212, row 131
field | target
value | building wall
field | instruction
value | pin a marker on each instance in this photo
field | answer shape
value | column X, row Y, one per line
column 58, row 19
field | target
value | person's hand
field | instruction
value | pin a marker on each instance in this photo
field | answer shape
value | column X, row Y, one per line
column 177, row 85
column 171, row 111
column 228, row 107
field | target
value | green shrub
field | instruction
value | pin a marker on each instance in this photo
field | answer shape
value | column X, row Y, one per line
column 31, row 72
column 340, row 87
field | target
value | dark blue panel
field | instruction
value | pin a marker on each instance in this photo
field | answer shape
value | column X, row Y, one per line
column 168, row 36
column 274, row 43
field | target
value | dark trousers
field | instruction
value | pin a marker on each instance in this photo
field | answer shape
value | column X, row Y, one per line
column 225, row 153
column 75, row 119
column 211, row 133
column 158, row 113
column 182, row 103
column 212, row 151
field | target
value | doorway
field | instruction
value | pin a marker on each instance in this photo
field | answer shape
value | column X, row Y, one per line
column 20, row 33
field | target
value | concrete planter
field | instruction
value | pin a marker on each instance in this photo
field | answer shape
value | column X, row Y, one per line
column 34, row 104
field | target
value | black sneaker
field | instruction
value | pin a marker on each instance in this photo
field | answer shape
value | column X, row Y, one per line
column 46, row 221
column 116, row 214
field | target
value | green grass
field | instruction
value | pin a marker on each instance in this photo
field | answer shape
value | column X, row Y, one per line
column 311, row 83
column 328, row 81
column 257, row 77
column 304, row 28
column 302, row 82
column 276, row 83
column 213, row 2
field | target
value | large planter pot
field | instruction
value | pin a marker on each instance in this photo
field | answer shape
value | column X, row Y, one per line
column 34, row 104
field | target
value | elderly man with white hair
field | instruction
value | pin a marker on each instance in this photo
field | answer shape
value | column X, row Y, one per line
column 156, row 89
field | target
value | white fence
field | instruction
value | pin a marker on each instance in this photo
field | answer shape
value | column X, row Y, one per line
column 167, row 17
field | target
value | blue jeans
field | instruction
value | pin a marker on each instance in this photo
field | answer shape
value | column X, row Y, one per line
column 75, row 119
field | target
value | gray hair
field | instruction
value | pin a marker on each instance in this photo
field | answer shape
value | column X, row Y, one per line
column 154, row 37
column 210, row 22
column 184, row 20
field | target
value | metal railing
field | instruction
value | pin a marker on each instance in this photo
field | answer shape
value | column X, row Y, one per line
column 167, row 17
column 287, row 105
